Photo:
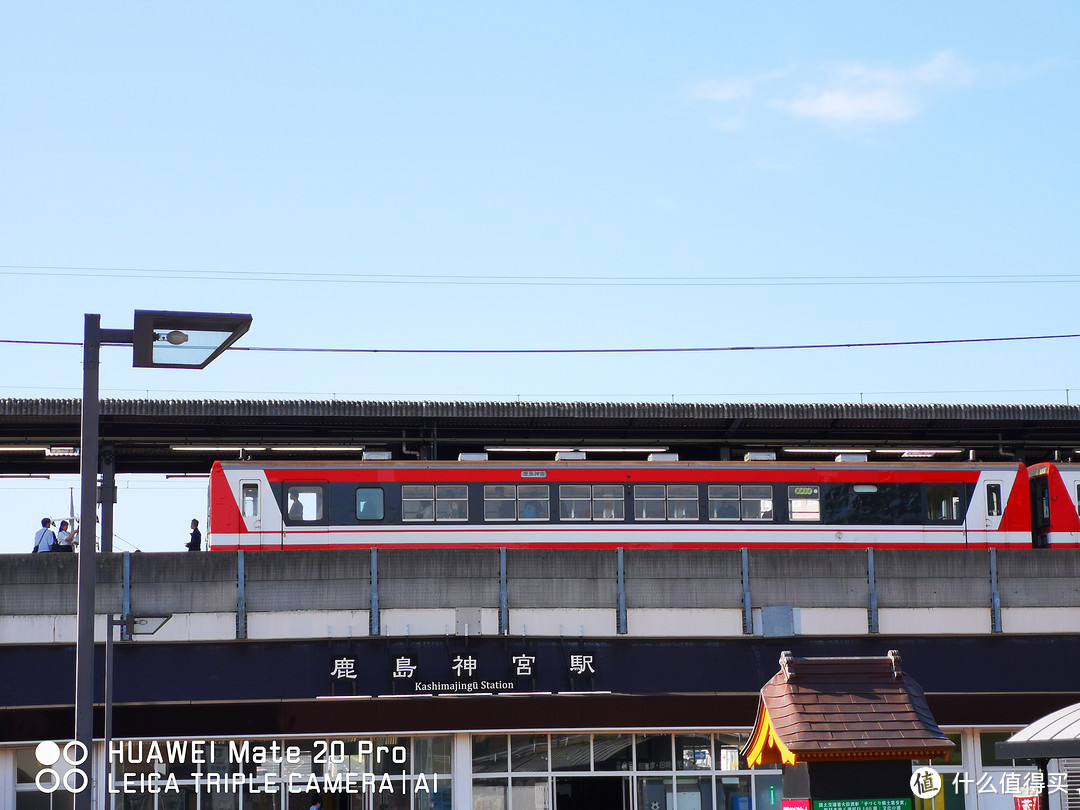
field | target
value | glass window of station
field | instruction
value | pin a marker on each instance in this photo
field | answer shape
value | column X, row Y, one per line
column 634, row 771
column 974, row 777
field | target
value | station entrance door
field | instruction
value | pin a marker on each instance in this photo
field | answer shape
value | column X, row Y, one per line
column 592, row 793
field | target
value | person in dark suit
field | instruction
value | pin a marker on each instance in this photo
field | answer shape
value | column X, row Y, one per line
column 195, row 543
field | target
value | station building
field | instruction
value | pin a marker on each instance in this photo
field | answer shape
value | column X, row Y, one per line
column 512, row 679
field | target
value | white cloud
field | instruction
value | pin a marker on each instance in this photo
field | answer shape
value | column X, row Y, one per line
column 850, row 107
column 944, row 68
column 846, row 94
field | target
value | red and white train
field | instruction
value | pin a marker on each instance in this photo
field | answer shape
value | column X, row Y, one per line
column 663, row 503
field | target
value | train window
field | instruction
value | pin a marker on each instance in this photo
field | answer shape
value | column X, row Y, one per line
column 682, row 502
column 804, row 503
column 525, row 502
column 608, row 502
column 452, row 502
column 943, row 502
column 369, row 503
column 249, row 500
column 993, row 500
column 650, row 502
column 595, row 502
column 417, row 503
column 756, row 501
column 575, row 502
column 666, row 502
column 533, row 502
column 746, row 502
column 848, row 504
column 305, row 503
column 500, row 503
column 723, row 502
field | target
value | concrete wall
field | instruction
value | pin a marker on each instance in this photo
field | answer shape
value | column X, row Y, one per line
column 690, row 593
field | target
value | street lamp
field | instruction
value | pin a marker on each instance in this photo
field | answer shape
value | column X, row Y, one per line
column 160, row 339
column 130, row 626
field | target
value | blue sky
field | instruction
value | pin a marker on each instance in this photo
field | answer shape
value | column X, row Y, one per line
column 542, row 176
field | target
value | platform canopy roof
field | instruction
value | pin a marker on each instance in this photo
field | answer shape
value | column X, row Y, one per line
column 187, row 435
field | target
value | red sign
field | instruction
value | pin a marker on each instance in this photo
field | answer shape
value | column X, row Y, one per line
column 1026, row 802
column 804, row 804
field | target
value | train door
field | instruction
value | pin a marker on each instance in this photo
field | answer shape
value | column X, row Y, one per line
column 1040, row 510
column 985, row 511
column 250, row 501
column 305, row 515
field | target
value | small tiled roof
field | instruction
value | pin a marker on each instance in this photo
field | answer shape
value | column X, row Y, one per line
column 826, row 709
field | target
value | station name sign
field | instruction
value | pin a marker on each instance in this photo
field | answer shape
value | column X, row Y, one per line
column 474, row 672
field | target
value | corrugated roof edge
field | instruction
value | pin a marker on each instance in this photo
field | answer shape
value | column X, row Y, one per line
column 13, row 407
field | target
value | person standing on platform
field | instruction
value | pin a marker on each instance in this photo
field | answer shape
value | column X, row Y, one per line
column 195, row 543
column 44, row 538
column 66, row 540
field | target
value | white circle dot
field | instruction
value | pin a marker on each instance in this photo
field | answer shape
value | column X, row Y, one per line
column 47, row 752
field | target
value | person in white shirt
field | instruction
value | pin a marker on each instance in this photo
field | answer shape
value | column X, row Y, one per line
column 44, row 538
column 66, row 540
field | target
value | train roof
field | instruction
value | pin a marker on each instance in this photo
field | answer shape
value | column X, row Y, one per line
column 622, row 465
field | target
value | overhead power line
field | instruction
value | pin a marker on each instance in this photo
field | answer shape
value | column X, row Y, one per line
column 654, row 350
column 674, row 350
column 317, row 277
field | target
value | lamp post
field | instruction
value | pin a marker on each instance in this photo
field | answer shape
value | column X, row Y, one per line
column 130, row 626
column 159, row 339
